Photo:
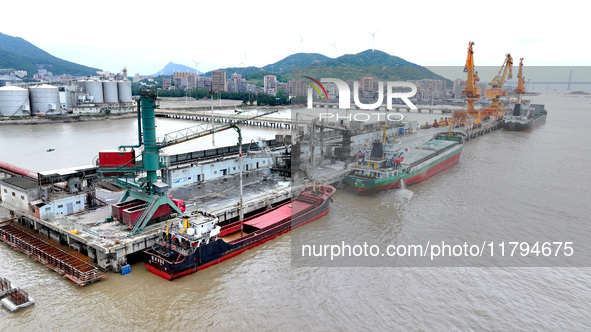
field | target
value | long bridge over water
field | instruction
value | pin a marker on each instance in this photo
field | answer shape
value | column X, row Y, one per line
column 285, row 122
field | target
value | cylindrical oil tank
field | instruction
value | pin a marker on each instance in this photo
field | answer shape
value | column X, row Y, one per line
column 95, row 89
column 44, row 98
column 124, row 88
column 110, row 92
column 14, row 101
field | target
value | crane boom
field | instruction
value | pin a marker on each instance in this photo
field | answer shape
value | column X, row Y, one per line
column 499, row 80
column 497, row 91
column 190, row 133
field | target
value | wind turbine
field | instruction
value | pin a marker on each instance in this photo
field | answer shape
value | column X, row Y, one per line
column 245, row 53
column 373, row 37
column 334, row 48
column 196, row 64
column 301, row 43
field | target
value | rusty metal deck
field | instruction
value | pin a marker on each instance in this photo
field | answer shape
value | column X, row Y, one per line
column 61, row 261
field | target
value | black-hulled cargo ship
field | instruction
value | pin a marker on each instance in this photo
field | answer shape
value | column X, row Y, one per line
column 197, row 242
column 525, row 117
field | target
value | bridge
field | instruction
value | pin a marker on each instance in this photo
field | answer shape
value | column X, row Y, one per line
column 548, row 83
column 208, row 116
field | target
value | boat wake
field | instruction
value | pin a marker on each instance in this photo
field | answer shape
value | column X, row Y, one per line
column 403, row 194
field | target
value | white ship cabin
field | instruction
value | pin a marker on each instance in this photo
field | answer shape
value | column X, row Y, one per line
column 187, row 234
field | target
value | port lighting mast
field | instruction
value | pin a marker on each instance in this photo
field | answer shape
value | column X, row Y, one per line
column 149, row 188
column 497, row 91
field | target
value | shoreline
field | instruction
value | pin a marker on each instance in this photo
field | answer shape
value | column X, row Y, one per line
column 40, row 120
column 63, row 119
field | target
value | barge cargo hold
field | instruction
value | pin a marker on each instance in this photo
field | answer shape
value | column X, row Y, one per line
column 191, row 245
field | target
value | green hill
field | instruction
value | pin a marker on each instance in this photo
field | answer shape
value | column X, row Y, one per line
column 17, row 53
column 296, row 60
column 368, row 58
column 377, row 64
column 244, row 71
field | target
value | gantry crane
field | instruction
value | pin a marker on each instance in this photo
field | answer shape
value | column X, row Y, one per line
column 149, row 189
column 470, row 116
column 497, row 91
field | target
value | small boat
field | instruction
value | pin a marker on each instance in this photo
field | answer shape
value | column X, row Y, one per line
column 49, row 150
column 198, row 241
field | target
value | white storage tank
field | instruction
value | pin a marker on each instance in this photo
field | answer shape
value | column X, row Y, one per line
column 44, row 99
column 124, row 88
column 110, row 92
column 93, row 88
column 14, row 101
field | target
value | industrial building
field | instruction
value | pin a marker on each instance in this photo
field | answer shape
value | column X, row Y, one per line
column 88, row 96
column 8, row 76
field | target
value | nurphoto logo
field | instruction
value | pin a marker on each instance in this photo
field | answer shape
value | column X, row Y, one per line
column 345, row 94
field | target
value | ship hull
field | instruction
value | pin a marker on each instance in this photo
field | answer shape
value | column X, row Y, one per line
column 530, row 125
column 219, row 250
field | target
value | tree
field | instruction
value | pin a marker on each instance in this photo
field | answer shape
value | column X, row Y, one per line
column 283, row 97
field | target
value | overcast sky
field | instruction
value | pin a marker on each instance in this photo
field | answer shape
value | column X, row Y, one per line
column 145, row 35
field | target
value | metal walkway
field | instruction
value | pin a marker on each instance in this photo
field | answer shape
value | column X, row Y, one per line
column 64, row 263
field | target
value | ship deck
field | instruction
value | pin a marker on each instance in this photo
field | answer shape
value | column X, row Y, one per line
column 277, row 215
column 417, row 153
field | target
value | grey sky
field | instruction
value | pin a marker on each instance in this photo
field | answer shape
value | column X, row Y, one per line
column 144, row 36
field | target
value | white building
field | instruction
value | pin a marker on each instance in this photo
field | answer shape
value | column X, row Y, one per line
column 216, row 169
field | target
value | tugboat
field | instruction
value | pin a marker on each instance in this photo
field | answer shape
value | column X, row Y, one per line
column 388, row 165
column 198, row 241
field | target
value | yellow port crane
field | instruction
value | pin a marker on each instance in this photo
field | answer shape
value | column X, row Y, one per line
column 497, row 91
column 470, row 116
column 520, row 89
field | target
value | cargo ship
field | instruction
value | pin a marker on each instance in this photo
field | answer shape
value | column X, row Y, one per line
column 525, row 117
column 390, row 166
column 197, row 241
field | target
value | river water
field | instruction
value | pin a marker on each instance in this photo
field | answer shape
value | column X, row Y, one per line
column 503, row 178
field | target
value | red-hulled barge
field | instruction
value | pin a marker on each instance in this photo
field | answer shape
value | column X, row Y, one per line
column 198, row 242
